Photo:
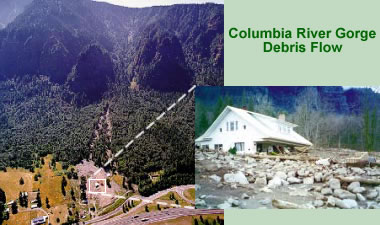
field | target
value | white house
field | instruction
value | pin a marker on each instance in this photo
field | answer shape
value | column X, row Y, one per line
column 250, row 132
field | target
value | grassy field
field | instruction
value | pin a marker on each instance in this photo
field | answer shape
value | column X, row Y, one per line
column 50, row 186
column 166, row 198
column 190, row 194
column 10, row 182
column 22, row 218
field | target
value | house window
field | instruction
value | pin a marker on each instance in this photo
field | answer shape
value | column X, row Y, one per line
column 244, row 127
column 227, row 126
column 232, row 126
column 236, row 123
column 218, row 146
column 239, row 146
column 220, row 129
column 205, row 147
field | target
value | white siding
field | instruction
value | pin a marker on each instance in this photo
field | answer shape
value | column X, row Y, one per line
column 229, row 138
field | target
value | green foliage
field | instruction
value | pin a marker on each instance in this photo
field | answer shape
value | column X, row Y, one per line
column 232, row 151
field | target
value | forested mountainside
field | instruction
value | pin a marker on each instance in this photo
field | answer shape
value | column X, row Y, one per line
column 328, row 116
column 64, row 64
column 9, row 9
column 48, row 37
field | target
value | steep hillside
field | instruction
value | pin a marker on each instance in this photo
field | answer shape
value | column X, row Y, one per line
column 49, row 35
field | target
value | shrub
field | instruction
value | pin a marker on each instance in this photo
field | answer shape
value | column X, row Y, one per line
column 232, row 151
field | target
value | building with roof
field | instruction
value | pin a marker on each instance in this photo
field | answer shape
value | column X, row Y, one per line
column 250, row 132
column 38, row 220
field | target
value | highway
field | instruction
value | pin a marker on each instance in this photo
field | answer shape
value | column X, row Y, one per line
column 144, row 201
column 159, row 216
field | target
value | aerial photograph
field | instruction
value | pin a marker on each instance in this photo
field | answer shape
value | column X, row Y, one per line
column 287, row 147
column 97, row 109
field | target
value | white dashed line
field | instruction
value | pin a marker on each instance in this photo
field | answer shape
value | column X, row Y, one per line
column 182, row 97
column 108, row 162
column 192, row 88
column 119, row 152
column 149, row 126
column 172, row 106
column 129, row 143
column 100, row 169
column 160, row 116
column 139, row 135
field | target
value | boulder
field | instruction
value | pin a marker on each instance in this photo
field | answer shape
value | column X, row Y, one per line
column 261, row 181
column 318, row 203
column 291, row 174
column 318, row 177
column 360, row 197
column 245, row 196
column 308, row 180
column 233, row 202
column 372, row 194
column 215, row 178
column 275, row 182
column 331, row 201
column 323, row 162
column 265, row 201
column 211, row 167
column 326, row 191
column 358, row 190
column 343, row 194
column 353, row 185
column 357, row 170
column 334, row 183
column 294, row 180
column 200, row 202
column 282, row 175
column 225, row 205
column 341, row 171
column 238, row 177
column 346, row 204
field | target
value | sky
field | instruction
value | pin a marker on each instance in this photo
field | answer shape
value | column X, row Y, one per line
column 147, row 3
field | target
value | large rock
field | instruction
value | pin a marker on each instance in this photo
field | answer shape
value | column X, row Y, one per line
column 225, row 205
column 331, row 201
column 341, row 171
column 215, row 178
column 318, row 177
column 200, row 202
column 211, row 167
column 353, row 185
column 346, row 204
column 275, row 182
column 308, row 180
column 318, row 203
column 358, row 190
column 261, row 181
column 372, row 194
column 326, row 191
column 294, row 180
column 360, row 197
column 334, row 183
column 282, row 175
column 357, row 170
column 238, row 177
column 323, row 162
column 343, row 194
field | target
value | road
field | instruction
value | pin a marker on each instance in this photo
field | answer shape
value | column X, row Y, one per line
column 159, row 216
column 145, row 200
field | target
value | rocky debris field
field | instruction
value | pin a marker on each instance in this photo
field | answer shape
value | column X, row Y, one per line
column 227, row 181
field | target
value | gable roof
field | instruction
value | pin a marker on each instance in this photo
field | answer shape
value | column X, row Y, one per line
column 263, row 123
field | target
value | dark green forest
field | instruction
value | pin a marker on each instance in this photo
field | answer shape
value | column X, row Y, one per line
column 331, row 117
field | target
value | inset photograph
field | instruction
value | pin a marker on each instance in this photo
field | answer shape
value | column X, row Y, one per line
column 284, row 147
